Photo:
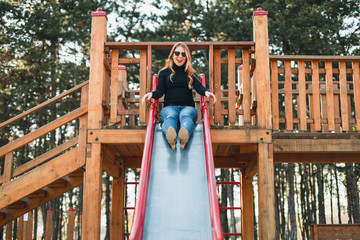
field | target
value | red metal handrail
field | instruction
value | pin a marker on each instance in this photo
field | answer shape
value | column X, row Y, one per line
column 210, row 170
column 140, row 209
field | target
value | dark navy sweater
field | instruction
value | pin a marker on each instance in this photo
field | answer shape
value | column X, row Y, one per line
column 177, row 92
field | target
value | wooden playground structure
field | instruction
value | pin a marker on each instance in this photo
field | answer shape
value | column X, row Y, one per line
column 320, row 96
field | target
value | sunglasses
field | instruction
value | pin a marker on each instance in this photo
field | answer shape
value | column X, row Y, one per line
column 177, row 53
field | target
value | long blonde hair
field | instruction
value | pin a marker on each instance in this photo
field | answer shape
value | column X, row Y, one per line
column 188, row 67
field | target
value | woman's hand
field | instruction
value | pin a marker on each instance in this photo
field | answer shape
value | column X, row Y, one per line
column 147, row 96
column 207, row 94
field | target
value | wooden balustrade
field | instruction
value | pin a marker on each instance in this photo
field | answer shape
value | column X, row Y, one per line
column 122, row 106
column 315, row 93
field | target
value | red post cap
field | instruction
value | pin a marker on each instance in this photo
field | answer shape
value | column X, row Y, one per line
column 240, row 67
column 50, row 211
column 122, row 67
column 99, row 12
column 72, row 210
column 260, row 12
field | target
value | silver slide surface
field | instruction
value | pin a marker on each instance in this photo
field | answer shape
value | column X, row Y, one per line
column 178, row 201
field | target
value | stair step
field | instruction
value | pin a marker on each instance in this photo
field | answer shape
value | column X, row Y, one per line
column 17, row 205
column 38, row 194
column 58, row 184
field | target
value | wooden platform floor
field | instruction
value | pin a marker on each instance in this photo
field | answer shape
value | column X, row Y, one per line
column 238, row 147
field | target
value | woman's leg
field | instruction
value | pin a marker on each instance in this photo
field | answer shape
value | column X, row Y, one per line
column 169, row 117
column 187, row 117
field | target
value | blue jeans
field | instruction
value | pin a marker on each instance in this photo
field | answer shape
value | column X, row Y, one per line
column 170, row 115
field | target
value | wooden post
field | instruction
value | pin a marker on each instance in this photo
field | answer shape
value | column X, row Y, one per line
column 83, row 126
column 71, row 224
column 20, row 228
column 247, row 228
column 114, row 85
column 117, row 204
column 288, row 97
column 356, row 82
column 217, row 86
column 92, row 184
column 9, row 231
column 49, row 218
column 246, row 82
column 28, row 225
column 262, row 70
column 275, row 95
column 266, row 192
column 231, row 87
column 97, row 69
column 122, row 77
column 143, row 87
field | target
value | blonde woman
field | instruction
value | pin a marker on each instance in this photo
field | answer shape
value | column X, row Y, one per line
column 176, row 80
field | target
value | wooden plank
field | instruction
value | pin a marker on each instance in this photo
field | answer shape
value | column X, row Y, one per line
column 8, row 168
column 217, row 86
column 266, row 193
column 117, row 204
column 44, row 104
column 343, row 97
column 143, row 87
column 92, row 193
column 262, row 71
column 20, row 228
column 30, row 182
column 114, row 85
column 335, row 231
column 36, row 202
column 275, row 95
column 231, row 87
column 8, row 235
column 211, row 84
column 191, row 45
column 251, row 168
column 97, row 71
column 288, row 97
column 247, row 209
column 246, row 87
column 83, row 126
column 29, row 228
column 324, row 121
column 330, row 96
column 44, row 157
column 316, row 145
column 337, row 108
column 42, row 130
column 302, row 97
column 71, row 224
column 316, row 95
column 48, row 229
column 317, row 157
column 356, row 82
column 149, row 69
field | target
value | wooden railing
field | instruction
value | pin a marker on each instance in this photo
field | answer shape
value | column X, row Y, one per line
column 122, row 106
column 315, row 93
column 8, row 150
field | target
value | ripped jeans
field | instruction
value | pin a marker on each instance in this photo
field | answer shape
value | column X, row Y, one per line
column 170, row 115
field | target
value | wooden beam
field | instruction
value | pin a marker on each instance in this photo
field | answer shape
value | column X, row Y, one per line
column 143, row 83
column 231, row 86
column 42, row 130
column 114, row 85
column 247, row 209
column 44, row 104
column 317, row 157
column 316, row 145
column 251, row 168
column 83, row 126
column 117, row 204
column 356, row 82
column 32, row 203
column 44, row 157
column 30, row 182
column 92, row 193
column 266, row 193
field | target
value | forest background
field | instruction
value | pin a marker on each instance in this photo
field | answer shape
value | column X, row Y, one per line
column 44, row 50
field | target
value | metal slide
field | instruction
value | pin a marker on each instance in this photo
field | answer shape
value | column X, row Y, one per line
column 177, row 191
column 177, row 203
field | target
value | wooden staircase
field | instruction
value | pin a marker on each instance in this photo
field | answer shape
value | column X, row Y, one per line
column 47, row 176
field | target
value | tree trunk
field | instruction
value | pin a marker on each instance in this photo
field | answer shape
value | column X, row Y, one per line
column 107, row 206
column 337, row 194
column 282, row 204
column 291, row 201
column 353, row 193
column 321, row 198
column 231, row 199
column 224, row 203
column 313, row 193
column 277, row 202
column 331, row 194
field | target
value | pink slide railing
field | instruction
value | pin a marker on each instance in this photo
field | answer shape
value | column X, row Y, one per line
column 210, row 171
column 139, row 214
